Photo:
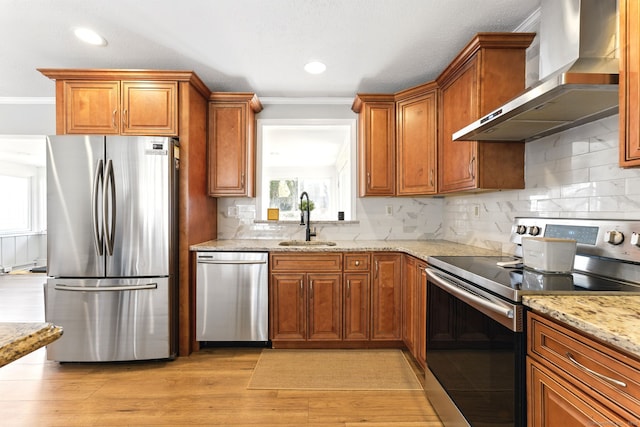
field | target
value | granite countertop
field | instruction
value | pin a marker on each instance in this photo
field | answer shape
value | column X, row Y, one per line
column 614, row 319
column 418, row 248
column 20, row 339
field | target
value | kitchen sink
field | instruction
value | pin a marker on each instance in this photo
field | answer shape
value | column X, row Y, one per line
column 305, row 243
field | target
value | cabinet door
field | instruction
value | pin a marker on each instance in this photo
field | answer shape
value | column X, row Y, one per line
column 629, row 83
column 356, row 306
column 458, row 160
column 386, row 304
column 553, row 401
column 149, row 108
column 288, row 307
column 409, row 302
column 92, row 107
column 325, row 306
column 376, row 146
column 228, row 149
column 416, row 145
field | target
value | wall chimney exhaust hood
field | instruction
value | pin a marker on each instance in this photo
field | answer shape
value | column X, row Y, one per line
column 579, row 69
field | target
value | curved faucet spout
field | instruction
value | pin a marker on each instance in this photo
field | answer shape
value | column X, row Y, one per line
column 308, row 232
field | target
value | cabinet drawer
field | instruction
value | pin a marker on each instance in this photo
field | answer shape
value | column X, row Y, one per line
column 357, row 262
column 612, row 374
column 306, row 262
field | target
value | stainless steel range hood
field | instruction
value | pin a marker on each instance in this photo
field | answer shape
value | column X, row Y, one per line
column 579, row 69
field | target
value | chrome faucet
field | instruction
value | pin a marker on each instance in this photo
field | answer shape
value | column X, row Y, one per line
column 308, row 233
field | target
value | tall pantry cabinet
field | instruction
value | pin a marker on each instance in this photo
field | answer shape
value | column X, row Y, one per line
column 150, row 102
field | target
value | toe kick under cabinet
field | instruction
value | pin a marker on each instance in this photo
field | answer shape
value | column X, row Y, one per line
column 325, row 300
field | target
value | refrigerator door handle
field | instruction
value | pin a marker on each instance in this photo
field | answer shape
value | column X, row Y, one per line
column 62, row 287
column 98, row 233
column 109, row 181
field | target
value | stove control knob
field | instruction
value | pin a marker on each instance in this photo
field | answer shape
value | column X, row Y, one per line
column 614, row 237
column 635, row 239
column 521, row 229
column 534, row 230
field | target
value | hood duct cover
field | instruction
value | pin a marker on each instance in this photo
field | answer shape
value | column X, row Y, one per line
column 579, row 69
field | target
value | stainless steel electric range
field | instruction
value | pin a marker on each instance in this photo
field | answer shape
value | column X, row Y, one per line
column 476, row 338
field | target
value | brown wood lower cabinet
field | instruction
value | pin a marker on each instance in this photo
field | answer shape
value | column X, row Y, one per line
column 573, row 380
column 386, row 304
column 339, row 300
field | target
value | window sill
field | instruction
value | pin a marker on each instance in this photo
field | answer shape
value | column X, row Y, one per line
column 313, row 222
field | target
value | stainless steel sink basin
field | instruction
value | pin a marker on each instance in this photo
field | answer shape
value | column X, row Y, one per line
column 305, row 243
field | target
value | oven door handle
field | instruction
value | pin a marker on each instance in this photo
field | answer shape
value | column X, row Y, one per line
column 469, row 298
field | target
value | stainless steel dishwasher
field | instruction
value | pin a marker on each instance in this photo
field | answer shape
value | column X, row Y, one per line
column 232, row 297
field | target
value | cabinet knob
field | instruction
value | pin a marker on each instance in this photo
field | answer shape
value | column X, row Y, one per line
column 357, row 263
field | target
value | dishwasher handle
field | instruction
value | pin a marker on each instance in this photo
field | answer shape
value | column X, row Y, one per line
column 228, row 262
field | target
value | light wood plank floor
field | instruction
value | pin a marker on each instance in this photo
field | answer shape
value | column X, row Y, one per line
column 207, row 388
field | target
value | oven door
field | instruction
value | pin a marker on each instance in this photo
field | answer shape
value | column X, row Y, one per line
column 475, row 354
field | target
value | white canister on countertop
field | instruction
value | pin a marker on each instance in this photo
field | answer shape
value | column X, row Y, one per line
column 548, row 254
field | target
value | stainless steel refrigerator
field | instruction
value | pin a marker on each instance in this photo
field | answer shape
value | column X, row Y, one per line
column 112, row 247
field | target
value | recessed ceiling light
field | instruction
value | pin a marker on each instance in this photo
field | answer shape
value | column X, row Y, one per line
column 90, row 36
column 315, row 67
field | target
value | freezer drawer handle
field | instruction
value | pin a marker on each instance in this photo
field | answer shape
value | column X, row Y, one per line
column 206, row 261
column 106, row 288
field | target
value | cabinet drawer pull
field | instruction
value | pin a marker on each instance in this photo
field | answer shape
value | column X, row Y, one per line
column 597, row 374
column 357, row 263
column 311, row 289
column 113, row 119
column 368, row 179
column 124, row 117
column 431, row 177
column 348, row 288
column 301, row 295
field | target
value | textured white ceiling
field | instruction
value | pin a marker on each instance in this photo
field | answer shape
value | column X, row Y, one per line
column 250, row 45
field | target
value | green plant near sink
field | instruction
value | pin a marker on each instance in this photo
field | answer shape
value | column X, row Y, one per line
column 303, row 205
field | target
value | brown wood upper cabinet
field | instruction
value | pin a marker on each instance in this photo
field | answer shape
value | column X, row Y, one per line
column 629, row 83
column 232, row 145
column 376, row 144
column 397, row 142
column 116, row 102
column 416, row 115
column 489, row 71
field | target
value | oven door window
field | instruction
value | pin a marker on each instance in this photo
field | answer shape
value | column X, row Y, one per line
column 478, row 361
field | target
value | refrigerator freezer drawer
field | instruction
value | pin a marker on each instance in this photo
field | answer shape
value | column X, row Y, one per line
column 109, row 319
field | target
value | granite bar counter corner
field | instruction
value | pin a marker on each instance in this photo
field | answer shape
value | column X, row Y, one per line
column 613, row 319
column 18, row 339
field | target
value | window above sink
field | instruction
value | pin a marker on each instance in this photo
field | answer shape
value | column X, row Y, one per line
column 313, row 155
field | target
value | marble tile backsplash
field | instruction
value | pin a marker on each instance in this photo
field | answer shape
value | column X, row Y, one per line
column 573, row 174
column 412, row 219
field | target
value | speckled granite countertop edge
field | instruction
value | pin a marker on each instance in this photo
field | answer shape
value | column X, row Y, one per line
column 21, row 338
column 417, row 248
column 613, row 319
